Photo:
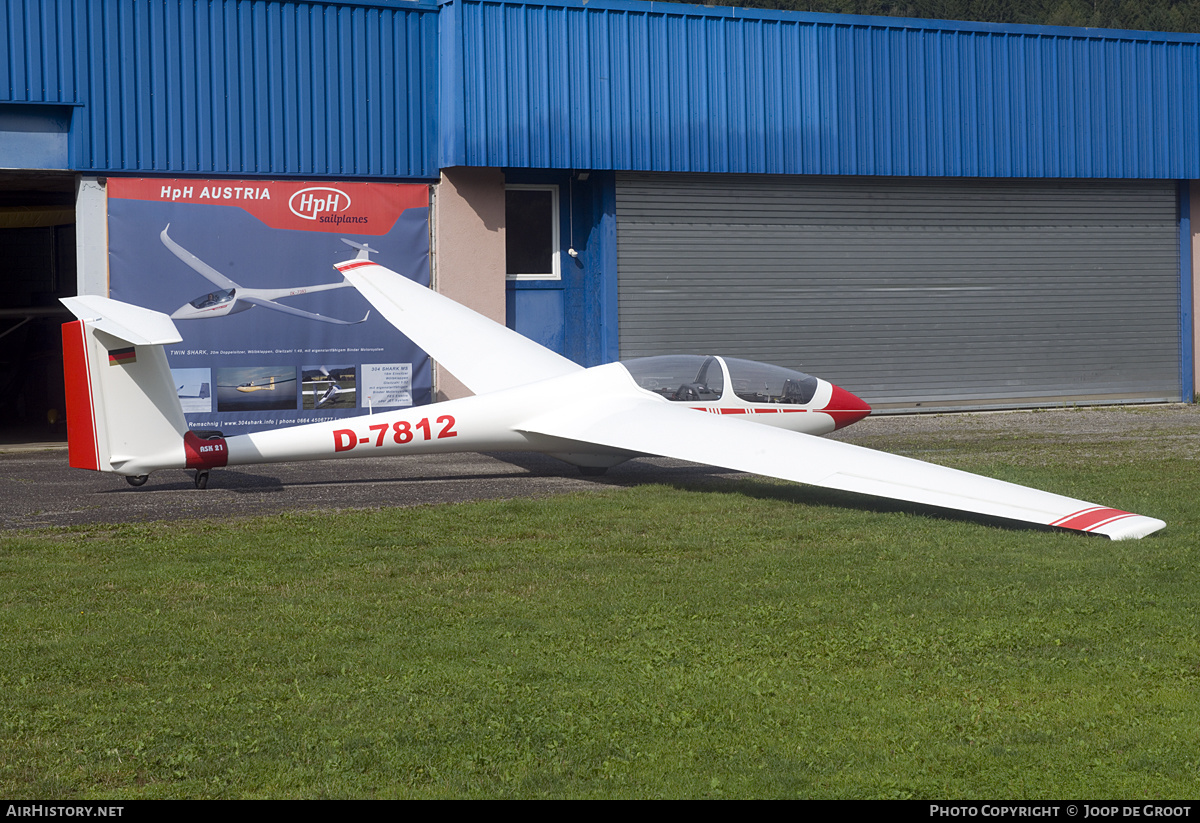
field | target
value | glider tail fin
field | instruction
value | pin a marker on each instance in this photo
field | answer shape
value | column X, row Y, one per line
column 123, row 411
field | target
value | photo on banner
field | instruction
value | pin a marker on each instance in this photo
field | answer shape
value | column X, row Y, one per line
column 273, row 335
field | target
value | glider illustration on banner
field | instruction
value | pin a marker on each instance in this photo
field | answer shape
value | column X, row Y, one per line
column 192, row 390
column 259, row 385
column 231, row 298
column 126, row 417
column 331, row 392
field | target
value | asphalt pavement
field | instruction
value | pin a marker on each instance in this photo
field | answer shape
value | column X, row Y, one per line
column 39, row 489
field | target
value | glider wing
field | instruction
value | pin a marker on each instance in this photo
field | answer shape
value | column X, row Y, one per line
column 271, row 304
column 195, row 263
column 651, row 427
column 483, row 354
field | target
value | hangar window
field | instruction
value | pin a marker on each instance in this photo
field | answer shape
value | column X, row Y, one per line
column 531, row 232
column 681, row 377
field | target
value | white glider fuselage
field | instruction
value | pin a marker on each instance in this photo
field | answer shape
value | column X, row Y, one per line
column 238, row 299
column 494, row 422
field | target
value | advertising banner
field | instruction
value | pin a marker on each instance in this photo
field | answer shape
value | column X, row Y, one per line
column 272, row 334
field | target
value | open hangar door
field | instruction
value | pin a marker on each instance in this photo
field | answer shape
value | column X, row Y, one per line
column 934, row 294
column 37, row 266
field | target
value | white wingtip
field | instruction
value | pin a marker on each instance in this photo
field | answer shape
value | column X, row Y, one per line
column 1130, row 528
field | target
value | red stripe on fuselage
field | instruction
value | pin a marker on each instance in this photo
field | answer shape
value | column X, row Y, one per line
column 83, row 452
column 749, row 410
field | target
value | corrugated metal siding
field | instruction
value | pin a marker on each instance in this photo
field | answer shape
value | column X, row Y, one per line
column 351, row 88
column 931, row 293
column 232, row 86
column 619, row 85
column 35, row 65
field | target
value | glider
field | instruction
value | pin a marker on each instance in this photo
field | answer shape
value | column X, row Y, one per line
column 331, row 393
column 231, row 298
column 124, row 415
column 266, row 384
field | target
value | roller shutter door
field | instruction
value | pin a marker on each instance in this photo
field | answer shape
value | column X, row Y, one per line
column 938, row 294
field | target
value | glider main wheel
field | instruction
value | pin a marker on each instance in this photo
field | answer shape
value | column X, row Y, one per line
column 201, row 480
column 592, row 471
column 138, row 480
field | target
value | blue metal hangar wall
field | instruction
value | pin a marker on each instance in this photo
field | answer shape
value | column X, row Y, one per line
column 932, row 214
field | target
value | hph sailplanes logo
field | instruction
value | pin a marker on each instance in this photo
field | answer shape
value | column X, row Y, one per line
column 315, row 201
column 324, row 204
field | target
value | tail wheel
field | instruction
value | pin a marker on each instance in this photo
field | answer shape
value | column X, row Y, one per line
column 138, row 480
column 201, row 480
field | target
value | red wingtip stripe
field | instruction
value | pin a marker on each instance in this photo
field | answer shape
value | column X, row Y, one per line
column 1091, row 518
column 353, row 264
column 83, row 451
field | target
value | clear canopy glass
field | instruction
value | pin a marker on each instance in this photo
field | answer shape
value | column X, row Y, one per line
column 764, row 383
column 696, row 378
column 680, row 377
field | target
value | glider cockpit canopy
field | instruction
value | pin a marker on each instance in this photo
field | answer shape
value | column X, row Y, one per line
column 694, row 378
column 681, row 377
column 764, row 383
column 214, row 298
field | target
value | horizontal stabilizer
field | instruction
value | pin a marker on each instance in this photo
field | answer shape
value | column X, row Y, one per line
column 133, row 324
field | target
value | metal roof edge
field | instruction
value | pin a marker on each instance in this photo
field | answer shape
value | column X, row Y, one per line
column 847, row 20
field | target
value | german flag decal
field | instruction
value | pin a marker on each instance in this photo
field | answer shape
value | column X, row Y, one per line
column 122, row 357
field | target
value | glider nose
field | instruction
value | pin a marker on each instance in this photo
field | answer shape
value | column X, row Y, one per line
column 845, row 408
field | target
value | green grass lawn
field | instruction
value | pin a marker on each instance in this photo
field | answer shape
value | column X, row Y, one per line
column 750, row 639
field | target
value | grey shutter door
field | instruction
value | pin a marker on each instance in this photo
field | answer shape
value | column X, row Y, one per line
column 930, row 293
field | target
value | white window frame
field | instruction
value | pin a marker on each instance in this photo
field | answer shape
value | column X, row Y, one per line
column 556, row 268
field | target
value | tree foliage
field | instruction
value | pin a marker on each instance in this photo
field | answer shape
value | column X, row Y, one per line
column 1137, row 15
